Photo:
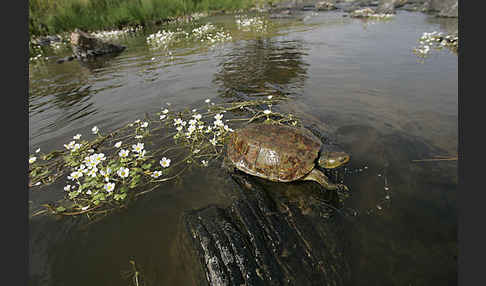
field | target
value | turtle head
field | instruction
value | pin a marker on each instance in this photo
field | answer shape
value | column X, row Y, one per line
column 332, row 156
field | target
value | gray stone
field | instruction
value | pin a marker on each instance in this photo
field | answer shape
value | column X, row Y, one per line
column 85, row 45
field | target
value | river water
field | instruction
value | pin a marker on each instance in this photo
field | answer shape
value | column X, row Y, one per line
column 358, row 77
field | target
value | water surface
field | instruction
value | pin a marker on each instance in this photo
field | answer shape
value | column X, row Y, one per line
column 360, row 79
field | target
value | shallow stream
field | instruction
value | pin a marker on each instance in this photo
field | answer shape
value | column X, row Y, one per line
column 359, row 78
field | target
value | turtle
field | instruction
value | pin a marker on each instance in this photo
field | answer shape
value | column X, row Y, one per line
column 283, row 153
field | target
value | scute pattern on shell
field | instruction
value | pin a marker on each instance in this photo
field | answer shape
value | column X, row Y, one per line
column 274, row 152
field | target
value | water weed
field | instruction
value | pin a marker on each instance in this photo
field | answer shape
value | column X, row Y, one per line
column 105, row 171
column 436, row 41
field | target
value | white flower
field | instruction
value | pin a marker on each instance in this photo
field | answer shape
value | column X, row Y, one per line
column 95, row 130
column 94, row 159
column 228, row 129
column 218, row 123
column 76, row 147
column 205, row 163
column 163, row 116
column 196, row 151
column 197, row 116
column 105, row 173
column 91, row 150
column 164, row 162
column 86, row 207
column 269, row 97
column 144, row 124
column 207, row 100
column 118, row 144
column 266, row 111
column 32, row 160
column 192, row 122
column 109, row 187
column 138, row 137
column 123, row 172
column 141, row 154
column 138, row 147
column 37, row 151
column 183, row 123
column 179, row 128
column 76, row 175
column 67, row 188
column 194, row 110
column 177, row 121
column 70, row 145
column 92, row 172
column 156, row 174
column 165, row 111
column 218, row 116
column 191, row 129
column 213, row 141
column 123, row 153
column 88, row 192
column 136, row 121
column 77, row 136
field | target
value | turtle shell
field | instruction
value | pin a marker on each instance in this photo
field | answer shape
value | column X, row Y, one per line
column 274, row 152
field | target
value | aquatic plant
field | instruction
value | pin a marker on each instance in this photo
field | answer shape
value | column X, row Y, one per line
column 254, row 24
column 370, row 13
column 106, row 171
column 204, row 33
column 117, row 33
column 436, row 41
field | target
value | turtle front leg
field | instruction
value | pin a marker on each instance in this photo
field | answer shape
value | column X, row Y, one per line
column 323, row 180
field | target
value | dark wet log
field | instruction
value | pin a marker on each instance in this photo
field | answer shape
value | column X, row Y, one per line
column 264, row 240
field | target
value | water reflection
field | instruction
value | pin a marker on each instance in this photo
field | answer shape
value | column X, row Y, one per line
column 262, row 67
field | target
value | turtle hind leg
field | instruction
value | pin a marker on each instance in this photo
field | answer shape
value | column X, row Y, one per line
column 323, row 180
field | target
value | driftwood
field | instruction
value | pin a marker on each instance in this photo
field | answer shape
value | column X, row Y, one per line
column 261, row 239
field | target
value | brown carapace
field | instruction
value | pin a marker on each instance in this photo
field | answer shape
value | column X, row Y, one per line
column 283, row 154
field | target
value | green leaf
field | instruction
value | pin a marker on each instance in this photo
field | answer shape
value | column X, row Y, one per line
column 135, row 181
column 146, row 166
column 60, row 209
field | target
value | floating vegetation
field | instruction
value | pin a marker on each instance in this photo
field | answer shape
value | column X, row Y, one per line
column 162, row 39
column 210, row 33
column 436, row 41
column 370, row 13
column 116, row 34
column 107, row 171
column 40, row 47
column 251, row 24
column 204, row 33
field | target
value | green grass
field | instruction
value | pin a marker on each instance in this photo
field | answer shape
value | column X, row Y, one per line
column 55, row 16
